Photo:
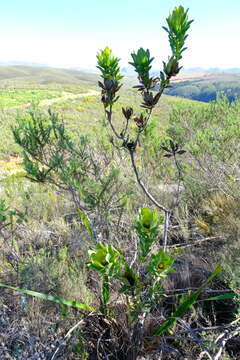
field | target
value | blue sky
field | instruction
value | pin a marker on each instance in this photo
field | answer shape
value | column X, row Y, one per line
column 69, row 33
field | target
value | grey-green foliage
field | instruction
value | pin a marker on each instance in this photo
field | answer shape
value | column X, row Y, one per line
column 9, row 216
column 212, row 129
column 210, row 134
column 51, row 156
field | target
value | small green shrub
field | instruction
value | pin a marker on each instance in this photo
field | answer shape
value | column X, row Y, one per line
column 51, row 156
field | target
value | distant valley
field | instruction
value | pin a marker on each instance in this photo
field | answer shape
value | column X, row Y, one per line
column 196, row 83
column 206, row 86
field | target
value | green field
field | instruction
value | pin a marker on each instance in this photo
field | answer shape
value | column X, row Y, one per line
column 10, row 98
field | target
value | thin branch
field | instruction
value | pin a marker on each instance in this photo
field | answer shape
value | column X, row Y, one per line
column 135, row 254
column 165, row 231
column 98, row 343
column 66, row 337
column 203, row 353
column 208, row 291
column 146, row 192
column 125, row 129
column 195, row 243
column 184, row 338
column 223, row 339
column 140, row 130
column 109, row 117
column 178, row 167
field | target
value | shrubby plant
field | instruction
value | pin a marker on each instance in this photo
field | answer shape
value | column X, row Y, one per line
column 141, row 282
column 210, row 135
column 177, row 28
column 9, row 217
column 51, row 156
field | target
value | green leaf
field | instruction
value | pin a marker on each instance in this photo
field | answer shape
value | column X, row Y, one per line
column 129, row 280
column 98, row 257
column 146, row 217
column 142, row 65
column 105, row 259
column 186, row 304
column 147, row 229
column 178, row 26
column 149, row 219
column 220, row 297
column 85, row 222
column 108, row 64
column 105, row 290
column 56, row 299
column 161, row 264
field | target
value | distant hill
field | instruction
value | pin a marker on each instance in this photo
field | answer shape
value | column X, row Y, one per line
column 201, row 84
column 196, row 86
column 128, row 70
column 210, row 70
column 24, row 63
column 15, row 75
column 206, row 86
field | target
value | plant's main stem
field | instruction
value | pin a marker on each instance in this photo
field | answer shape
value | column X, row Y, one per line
column 149, row 195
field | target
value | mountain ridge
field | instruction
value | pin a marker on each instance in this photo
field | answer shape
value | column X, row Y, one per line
column 128, row 70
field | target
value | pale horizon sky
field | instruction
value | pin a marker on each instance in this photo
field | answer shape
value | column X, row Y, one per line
column 69, row 33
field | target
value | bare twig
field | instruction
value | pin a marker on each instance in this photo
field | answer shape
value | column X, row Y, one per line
column 146, row 192
column 166, row 226
column 66, row 337
column 109, row 117
column 137, row 337
column 135, row 254
column 155, row 202
column 98, row 343
column 203, row 353
column 184, row 338
column 195, row 243
column 178, row 167
column 223, row 339
column 208, row 291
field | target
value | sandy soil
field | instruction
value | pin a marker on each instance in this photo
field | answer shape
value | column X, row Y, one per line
column 67, row 96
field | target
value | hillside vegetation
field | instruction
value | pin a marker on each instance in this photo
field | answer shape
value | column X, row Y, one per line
column 51, row 239
column 31, row 75
column 119, row 214
column 206, row 87
column 81, row 112
column 46, row 251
